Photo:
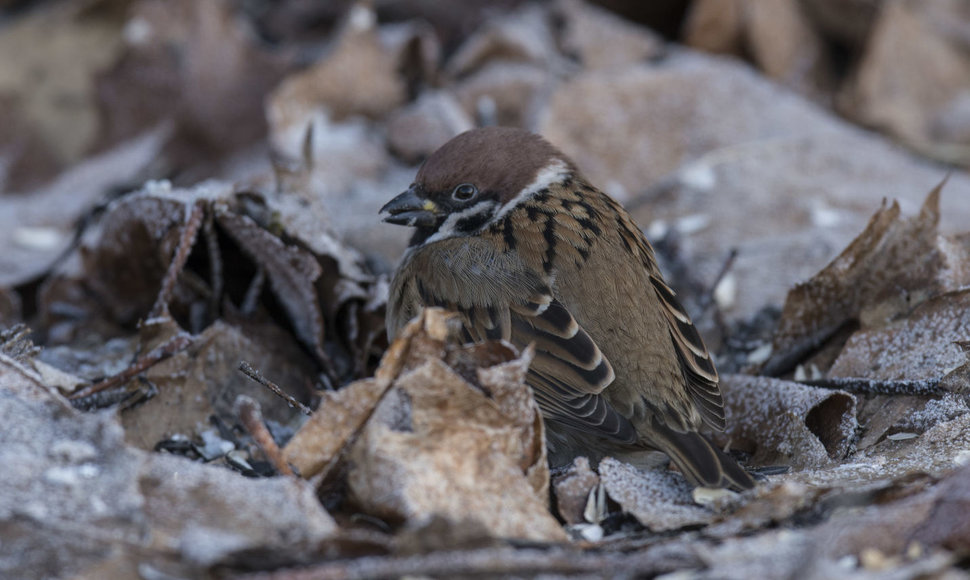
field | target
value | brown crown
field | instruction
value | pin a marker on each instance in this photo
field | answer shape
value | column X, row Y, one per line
column 498, row 160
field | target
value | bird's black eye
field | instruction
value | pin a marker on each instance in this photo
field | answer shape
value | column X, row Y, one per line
column 464, row 192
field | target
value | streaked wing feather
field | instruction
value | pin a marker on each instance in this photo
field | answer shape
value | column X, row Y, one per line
column 698, row 459
column 695, row 360
column 590, row 413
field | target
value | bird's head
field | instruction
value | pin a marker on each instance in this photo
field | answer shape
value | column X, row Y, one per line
column 475, row 179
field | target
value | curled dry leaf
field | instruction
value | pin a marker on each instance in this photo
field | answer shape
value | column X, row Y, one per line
column 338, row 418
column 585, row 25
column 292, row 273
column 127, row 258
column 892, row 266
column 425, row 442
column 788, row 423
column 190, row 62
column 913, row 75
column 524, row 35
column 312, row 275
column 358, row 76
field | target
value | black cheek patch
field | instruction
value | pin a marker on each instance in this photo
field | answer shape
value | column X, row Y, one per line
column 473, row 222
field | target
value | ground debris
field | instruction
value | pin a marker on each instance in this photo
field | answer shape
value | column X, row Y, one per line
column 230, row 159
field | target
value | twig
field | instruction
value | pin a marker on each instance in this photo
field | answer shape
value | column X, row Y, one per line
column 252, row 419
column 173, row 346
column 865, row 386
column 186, row 241
column 496, row 562
column 252, row 373
column 15, row 342
column 125, row 399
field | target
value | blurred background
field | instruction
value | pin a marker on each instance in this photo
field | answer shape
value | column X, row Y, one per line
column 773, row 127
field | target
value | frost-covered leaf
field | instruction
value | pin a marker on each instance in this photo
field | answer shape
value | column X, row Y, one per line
column 660, row 500
column 782, row 422
column 292, row 273
column 922, row 346
column 436, row 445
column 892, row 266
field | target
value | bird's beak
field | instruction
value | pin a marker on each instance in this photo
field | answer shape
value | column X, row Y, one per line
column 410, row 209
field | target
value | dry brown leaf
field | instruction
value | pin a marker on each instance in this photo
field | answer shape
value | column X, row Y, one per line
column 506, row 93
column 417, row 130
column 849, row 21
column 787, row 423
column 437, row 445
column 775, row 34
column 10, row 307
column 771, row 504
column 127, row 260
column 892, row 266
column 193, row 62
column 935, row 518
column 336, row 420
column 716, row 26
column 359, row 76
column 37, row 228
column 524, row 35
column 913, row 75
column 18, row 379
column 585, row 25
column 292, row 273
column 48, row 92
column 129, row 510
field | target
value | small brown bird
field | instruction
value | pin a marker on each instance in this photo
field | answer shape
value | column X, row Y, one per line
column 511, row 237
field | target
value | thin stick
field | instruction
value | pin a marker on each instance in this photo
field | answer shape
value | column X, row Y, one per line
column 252, row 373
column 173, row 346
column 186, row 241
column 494, row 563
column 879, row 387
column 252, row 419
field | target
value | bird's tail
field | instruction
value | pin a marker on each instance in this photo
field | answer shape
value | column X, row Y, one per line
column 699, row 460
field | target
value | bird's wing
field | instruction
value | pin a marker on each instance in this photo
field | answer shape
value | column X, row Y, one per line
column 702, row 379
column 498, row 297
column 695, row 361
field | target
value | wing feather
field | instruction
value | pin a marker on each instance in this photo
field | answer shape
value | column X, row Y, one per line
column 699, row 371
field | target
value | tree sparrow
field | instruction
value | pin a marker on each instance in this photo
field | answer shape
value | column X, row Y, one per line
column 511, row 237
